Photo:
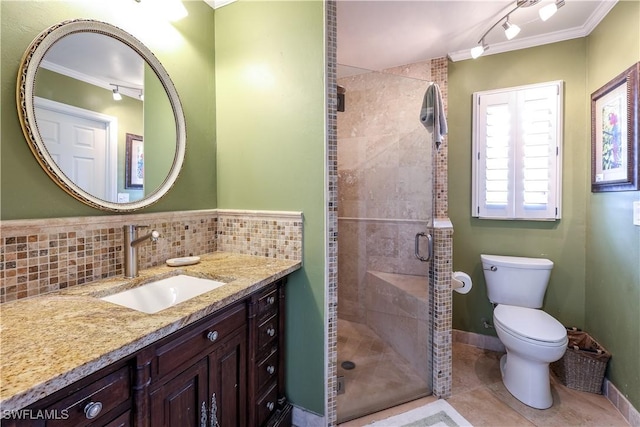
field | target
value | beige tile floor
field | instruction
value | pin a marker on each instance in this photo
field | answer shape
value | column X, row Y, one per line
column 479, row 395
column 381, row 378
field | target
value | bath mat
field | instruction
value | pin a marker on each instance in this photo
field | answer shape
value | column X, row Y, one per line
column 434, row 414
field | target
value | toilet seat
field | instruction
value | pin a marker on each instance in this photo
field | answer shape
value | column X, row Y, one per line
column 531, row 325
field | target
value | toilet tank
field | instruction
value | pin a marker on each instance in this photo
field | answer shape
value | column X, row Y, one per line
column 516, row 281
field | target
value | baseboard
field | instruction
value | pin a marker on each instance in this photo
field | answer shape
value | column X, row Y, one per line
column 305, row 418
column 631, row 414
column 485, row 342
column 617, row 399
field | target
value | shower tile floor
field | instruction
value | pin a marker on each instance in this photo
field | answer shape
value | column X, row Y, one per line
column 381, row 377
column 480, row 396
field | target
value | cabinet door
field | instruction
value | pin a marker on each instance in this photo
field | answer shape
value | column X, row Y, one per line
column 182, row 401
column 228, row 382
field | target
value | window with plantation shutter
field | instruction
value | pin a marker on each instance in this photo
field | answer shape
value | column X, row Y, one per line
column 517, row 152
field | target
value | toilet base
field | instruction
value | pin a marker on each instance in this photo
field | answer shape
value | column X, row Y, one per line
column 526, row 380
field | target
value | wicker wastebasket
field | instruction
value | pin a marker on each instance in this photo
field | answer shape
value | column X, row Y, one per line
column 583, row 364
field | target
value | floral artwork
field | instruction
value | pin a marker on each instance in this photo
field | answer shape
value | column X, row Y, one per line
column 615, row 113
column 611, row 135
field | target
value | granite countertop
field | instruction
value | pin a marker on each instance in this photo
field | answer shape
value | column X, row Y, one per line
column 53, row 340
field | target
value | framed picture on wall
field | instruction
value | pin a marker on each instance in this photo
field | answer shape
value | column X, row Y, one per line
column 134, row 162
column 615, row 114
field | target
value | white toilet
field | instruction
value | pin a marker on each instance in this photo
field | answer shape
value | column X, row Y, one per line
column 533, row 338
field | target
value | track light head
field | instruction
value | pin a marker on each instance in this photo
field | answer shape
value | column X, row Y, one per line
column 479, row 50
column 510, row 30
column 116, row 94
column 549, row 10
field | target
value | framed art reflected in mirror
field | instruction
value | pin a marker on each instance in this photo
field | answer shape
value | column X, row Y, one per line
column 615, row 115
column 134, row 162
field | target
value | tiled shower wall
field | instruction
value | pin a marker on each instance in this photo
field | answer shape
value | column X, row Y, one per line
column 385, row 180
column 39, row 256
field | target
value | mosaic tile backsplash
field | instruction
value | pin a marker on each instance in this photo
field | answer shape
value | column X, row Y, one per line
column 40, row 256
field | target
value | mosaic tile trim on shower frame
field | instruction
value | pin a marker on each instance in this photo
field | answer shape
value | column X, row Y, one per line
column 331, row 256
column 40, row 256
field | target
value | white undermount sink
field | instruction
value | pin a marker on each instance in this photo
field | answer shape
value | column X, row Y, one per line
column 156, row 296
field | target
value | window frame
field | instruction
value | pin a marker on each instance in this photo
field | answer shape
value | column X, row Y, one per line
column 514, row 208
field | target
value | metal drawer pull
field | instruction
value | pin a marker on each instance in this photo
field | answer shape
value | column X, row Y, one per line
column 271, row 369
column 270, row 406
column 271, row 331
column 92, row 410
column 271, row 300
column 212, row 336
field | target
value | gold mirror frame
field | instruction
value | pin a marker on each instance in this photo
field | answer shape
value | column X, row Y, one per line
column 25, row 93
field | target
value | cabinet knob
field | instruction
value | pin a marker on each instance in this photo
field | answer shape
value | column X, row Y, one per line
column 271, row 300
column 212, row 336
column 270, row 406
column 271, row 369
column 271, row 331
column 92, row 409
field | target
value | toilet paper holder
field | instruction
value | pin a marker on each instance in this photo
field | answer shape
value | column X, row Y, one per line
column 461, row 282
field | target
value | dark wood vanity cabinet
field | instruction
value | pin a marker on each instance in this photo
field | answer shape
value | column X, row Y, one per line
column 198, row 375
column 101, row 399
column 266, row 365
column 225, row 370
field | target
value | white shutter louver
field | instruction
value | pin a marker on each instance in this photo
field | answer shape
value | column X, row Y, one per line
column 517, row 156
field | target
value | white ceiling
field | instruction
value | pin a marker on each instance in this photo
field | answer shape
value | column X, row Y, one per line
column 372, row 35
column 380, row 34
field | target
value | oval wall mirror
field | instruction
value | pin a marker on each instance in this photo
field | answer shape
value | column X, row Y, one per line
column 101, row 115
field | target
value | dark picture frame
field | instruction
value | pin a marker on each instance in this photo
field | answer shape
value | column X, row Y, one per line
column 615, row 115
column 134, row 162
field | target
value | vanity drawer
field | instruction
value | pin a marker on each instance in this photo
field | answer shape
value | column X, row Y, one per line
column 268, row 301
column 267, row 404
column 267, row 331
column 202, row 336
column 268, row 368
column 101, row 396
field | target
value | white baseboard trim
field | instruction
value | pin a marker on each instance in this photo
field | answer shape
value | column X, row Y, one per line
column 617, row 399
column 304, row 418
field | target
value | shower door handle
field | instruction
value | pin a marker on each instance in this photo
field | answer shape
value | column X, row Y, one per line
column 429, row 246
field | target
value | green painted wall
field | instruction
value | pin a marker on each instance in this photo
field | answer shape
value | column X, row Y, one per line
column 270, row 137
column 613, row 242
column 595, row 283
column 186, row 50
column 561, row 241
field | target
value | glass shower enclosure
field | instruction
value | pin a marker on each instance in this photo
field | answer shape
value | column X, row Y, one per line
column 385, row 200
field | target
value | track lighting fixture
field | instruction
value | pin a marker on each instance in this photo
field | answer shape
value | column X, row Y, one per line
column 479, row 50
column 116, row 94
column 512, row 30
column 549, row 10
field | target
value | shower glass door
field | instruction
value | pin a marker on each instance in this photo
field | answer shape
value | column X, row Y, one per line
column 385, row 197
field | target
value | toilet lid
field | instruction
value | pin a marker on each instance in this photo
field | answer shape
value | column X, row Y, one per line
column 529, row 323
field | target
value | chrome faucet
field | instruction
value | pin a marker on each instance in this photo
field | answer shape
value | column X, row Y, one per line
column 131, row 243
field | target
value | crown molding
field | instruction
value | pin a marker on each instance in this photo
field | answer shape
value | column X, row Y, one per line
column 92, row 80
